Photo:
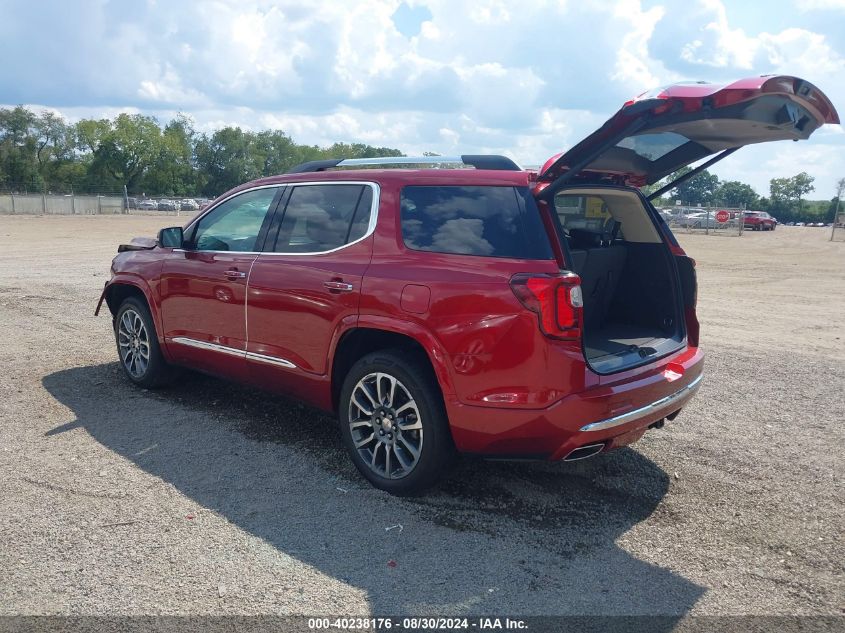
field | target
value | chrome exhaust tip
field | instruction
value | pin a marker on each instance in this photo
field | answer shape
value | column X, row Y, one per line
column 583, row 452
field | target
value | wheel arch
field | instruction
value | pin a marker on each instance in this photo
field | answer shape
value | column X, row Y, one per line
column 359, row 341
column 117, row 292
column 121, row 288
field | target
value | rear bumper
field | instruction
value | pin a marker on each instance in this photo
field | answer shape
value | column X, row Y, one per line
column 668, row 404
column 614, row 413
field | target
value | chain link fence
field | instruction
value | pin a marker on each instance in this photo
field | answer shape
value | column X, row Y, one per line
column 61, row 204
column 707, row 220
column 20, row 201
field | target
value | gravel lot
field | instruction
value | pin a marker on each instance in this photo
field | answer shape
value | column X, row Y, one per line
column 210, row 498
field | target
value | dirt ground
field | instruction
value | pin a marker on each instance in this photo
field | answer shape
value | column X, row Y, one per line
column 210, row 498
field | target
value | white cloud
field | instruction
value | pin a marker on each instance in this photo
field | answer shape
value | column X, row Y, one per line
column 758, row 164
column 526, row 80
column 801, row 52
column 633, row 65
column 719, row 44
column 815, row 5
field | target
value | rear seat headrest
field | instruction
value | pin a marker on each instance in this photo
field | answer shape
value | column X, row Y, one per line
column 585, row 239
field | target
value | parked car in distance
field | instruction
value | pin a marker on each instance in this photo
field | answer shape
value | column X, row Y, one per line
column 168, row 205
column 188, row 205
column 131, row 203
column 698, row 220
column 495, row 311
column 148, row 204
column 759, row 221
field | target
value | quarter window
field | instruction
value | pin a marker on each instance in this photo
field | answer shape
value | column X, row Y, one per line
column 487, row 221
column 320, row 218
column 234, row 225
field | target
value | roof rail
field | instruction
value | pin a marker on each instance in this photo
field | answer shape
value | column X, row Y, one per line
column 479, row 161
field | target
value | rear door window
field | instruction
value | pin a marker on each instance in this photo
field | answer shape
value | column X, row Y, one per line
column 320, row 218
column 474, row 220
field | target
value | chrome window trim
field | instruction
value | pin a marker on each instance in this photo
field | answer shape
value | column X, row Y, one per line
column 216, row 204
column 643, row 411
column 231, row 351
column 371, row 227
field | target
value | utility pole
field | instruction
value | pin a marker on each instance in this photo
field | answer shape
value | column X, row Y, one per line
column 840, row 189
column 125, row 199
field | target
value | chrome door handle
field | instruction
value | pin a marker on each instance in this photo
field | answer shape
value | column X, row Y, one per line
column 234, row 274
column 338, row 286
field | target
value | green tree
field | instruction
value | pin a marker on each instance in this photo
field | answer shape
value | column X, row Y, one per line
column 225, row 160
column 733, row 193
column 172, row 170
column 90, row 133
column 359, row 150
column 18, row 149
column 276, row 152
column 802, row 184
column 784, row 193
column 698, row 190
column 127, row 151
column 55, row 150
column 835, row 202
column 134, row 150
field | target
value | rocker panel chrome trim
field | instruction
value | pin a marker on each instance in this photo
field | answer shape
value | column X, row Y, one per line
column 272, row 360
column 231, row 351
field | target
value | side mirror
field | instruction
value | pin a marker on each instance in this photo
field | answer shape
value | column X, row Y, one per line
column 171, row 237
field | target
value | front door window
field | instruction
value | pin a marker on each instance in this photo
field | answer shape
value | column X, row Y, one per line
column 234, row 225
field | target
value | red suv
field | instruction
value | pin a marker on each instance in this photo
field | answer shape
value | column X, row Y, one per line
column 518, row 314
column 759, row 221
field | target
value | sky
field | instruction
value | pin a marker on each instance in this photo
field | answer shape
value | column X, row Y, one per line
column 525, row 79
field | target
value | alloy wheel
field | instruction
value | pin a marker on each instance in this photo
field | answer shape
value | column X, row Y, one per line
column 386, row 425
column 134, row 343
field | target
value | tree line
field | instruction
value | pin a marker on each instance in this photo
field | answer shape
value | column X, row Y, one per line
column 787, row 199
column 42, row 152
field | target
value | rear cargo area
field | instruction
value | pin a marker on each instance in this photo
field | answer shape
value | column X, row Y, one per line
column 632, row 311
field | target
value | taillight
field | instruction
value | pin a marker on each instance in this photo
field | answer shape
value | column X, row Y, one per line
column 556, row 299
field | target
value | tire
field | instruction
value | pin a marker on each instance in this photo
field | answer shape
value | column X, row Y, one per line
column 134, row 333
column 397, row 435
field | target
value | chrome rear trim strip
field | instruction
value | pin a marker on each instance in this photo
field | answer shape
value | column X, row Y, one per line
column 231, row 351
column 212, row 347
column 272, row 360
column 642, row 412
